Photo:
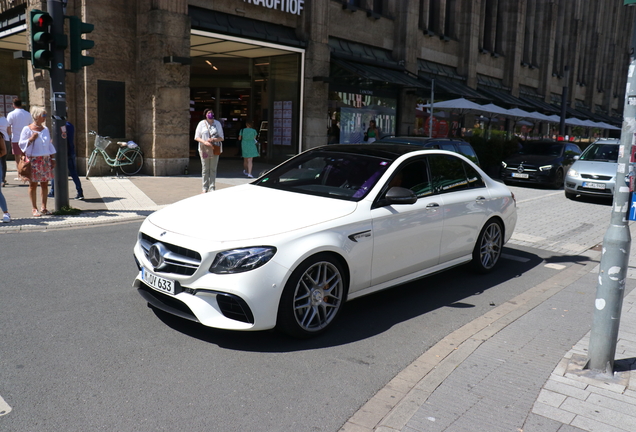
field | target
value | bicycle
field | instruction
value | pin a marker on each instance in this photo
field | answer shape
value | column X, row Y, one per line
column 129, row 158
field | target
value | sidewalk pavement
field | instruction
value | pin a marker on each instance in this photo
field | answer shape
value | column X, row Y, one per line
column 509, row 370
column 114, row 198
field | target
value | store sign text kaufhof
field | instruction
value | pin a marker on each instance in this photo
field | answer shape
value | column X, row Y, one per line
column 289, row 6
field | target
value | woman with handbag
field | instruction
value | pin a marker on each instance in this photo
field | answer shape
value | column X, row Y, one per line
column 36, row 144
column 247, row 137
column 209, row 135
column 6, row 217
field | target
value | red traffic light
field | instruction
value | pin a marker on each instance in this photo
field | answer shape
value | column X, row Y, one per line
column 41, row 19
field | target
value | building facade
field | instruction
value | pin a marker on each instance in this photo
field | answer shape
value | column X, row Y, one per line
column 311, row 72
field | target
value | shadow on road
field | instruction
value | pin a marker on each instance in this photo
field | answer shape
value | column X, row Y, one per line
column 376, row 313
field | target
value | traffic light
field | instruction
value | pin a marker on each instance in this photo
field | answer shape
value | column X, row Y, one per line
column 77, row 28
column 41, row 38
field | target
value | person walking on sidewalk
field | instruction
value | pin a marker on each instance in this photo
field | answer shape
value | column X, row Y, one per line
column 36, row 144
column 4, row 137
column 247, row 136
column 6, row 217
column 18, row 119
column 72, row 167
column 209, row 135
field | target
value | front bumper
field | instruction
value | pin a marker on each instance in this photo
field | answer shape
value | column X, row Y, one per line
column 241, row 301
column 534, row 177
column 580, row 186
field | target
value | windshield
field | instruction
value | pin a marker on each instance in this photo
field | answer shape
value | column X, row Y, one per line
column 601, row 152
column 542, row 149
column 347, row 176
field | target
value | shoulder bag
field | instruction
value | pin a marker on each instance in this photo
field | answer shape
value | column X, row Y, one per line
column 24, row 165
column 216, row 148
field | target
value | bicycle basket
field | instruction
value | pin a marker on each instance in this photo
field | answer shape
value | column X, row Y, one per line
column 101, row 142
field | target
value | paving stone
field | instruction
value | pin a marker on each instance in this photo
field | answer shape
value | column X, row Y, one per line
column 539, row 423
column 599, row 414
column 567, row 389
column 552, row 412
column 551, row 398
column 592, row 425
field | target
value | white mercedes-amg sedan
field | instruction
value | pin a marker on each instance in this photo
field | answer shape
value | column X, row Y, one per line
column 329, row 225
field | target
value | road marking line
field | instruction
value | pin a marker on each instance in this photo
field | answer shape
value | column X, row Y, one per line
column 539, row 197
column 4, row 407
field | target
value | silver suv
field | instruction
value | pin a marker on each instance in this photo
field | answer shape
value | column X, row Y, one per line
column 594, row 173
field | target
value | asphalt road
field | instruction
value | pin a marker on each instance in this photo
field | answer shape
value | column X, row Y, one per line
column 81, row 351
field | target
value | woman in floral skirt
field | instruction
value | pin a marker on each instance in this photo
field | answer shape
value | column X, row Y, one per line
column 36, row 144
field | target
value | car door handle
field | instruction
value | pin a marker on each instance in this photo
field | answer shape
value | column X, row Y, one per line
column 432, row 206
column 480, row 200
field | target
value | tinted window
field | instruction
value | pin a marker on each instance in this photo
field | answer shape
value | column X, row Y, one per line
column 413, row 176
column 572, row 150
column 467, row 150
column 447, row 174
column 347, row 176
column 474, row 178
column 542, row 148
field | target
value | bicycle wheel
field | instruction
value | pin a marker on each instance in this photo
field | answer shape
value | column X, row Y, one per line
column 132, row 163
column 91, row 162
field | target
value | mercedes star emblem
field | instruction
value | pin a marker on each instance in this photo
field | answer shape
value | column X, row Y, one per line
column 155, row 255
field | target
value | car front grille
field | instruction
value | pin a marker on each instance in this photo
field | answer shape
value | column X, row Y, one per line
column 530, row 168
column 596, row 177
column 181, row 261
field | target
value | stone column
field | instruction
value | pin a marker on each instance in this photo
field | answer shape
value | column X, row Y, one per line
column 406, row 49
column 317, row 57
column 163, row 90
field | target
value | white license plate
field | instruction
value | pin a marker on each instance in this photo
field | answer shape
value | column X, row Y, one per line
column 160, row 284
column 590, row 185
column 519, row 175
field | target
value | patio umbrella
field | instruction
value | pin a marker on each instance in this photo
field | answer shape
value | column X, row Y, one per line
column 491, row 111
column 538, row 116
column 462, row 105
column 607, row 126
column 573, row 121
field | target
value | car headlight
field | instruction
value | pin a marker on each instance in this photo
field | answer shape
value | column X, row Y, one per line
column 573, row 173
column 545, row 168
column 503, row 164
column 241, row 260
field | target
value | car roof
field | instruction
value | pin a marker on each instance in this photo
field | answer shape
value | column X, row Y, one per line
column 607, row 141
column 417, row 140
column 387, row 151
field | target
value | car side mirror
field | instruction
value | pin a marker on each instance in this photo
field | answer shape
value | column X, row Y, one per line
column 576, row 157
column 400, row 195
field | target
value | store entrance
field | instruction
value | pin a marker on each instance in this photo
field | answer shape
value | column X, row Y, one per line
column 232, row 107
column 245, row 80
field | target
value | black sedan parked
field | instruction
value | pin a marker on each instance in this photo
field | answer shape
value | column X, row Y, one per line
column 540, row 162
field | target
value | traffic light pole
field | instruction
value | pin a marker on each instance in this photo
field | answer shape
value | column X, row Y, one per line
column 616, row 248
column 58, row 104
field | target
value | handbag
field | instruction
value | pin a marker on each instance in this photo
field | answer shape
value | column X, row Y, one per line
column 216, row 148
column 24, row 167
